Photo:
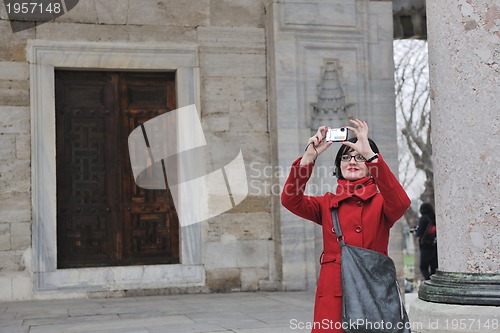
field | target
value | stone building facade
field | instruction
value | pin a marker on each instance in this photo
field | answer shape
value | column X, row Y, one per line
column 260, row 72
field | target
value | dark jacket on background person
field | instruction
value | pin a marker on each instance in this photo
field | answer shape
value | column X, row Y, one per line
column 426, row 234
column 426, row 230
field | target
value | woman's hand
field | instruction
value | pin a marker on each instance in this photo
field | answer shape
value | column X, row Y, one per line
column 316, row 146
column 362, row 146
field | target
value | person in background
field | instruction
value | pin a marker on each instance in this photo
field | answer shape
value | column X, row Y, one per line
column 427, row 236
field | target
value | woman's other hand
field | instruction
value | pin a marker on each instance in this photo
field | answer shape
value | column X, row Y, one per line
column 362, row 146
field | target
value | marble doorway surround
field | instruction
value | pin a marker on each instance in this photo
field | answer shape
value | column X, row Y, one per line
column 46, row 56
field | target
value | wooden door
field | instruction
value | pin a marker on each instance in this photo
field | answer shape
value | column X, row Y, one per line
column 103, row 218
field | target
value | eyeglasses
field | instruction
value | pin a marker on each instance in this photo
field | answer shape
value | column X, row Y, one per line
column 357, row 158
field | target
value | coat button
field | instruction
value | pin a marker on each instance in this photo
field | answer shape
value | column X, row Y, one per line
column 358, row 228
column 360, row 203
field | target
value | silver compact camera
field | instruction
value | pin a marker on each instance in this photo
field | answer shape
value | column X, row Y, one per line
column 337, row 134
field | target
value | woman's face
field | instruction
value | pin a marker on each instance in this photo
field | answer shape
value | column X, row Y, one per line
column 352, row 169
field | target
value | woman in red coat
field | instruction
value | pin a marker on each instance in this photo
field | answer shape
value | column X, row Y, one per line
column 369, row 199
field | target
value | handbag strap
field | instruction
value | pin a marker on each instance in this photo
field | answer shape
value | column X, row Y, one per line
column 336, row 227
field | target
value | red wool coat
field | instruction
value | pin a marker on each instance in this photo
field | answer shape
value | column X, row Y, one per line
column 368, row 208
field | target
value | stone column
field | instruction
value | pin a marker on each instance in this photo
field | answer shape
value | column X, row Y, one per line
column 464, row 78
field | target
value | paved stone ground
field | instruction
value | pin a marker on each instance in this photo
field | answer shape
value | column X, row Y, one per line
column 262, row 312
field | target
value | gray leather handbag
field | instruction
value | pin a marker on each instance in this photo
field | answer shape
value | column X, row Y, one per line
column 371, row 297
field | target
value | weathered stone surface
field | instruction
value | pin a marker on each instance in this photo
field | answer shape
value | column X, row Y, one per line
column 14, row 119
column 158, row 34
column 15, row 207
column 23, row 147
column 326, row 15
column 236, row 254
column 14, row 93
column 22, row 287
column 5, row 236
column 224, row 280
column 239, row 226
column 222, row 90
column 237, row 116
column 15, row 175
column 216, row 122
column 20, row 235
column 83, row 12
column 112, row 12
column 14, row 85
column 251, row 278
column 15, row 71
column 227, row 64
column 249, row 117
column 81, row 32
column 169, row 12
column 7, row 146
column 13, row 45
column 237, row 13
column 260, row 203
column 254, row 89
column 250, row 143
column 6, row 288
column 235, row 39
column 3, row 13
column 11, row 261
column 253, row 143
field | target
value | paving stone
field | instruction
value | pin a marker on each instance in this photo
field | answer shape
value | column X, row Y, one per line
column 251, row 312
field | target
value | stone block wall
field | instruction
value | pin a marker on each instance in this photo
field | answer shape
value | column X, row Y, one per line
column 15, row 206
column 238, row 246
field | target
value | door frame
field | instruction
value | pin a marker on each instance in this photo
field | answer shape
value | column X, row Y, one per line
column 44, row 57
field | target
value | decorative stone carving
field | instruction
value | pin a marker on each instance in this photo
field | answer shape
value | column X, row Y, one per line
column 331, row 104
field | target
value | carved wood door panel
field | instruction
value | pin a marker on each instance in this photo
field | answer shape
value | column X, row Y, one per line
column 103, row 218
column 149, row 217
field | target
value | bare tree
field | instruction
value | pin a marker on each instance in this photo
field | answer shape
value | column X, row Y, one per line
column 413, row 114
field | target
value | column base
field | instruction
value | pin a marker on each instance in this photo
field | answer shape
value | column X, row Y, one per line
column 462, row 288
column 429, row 317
